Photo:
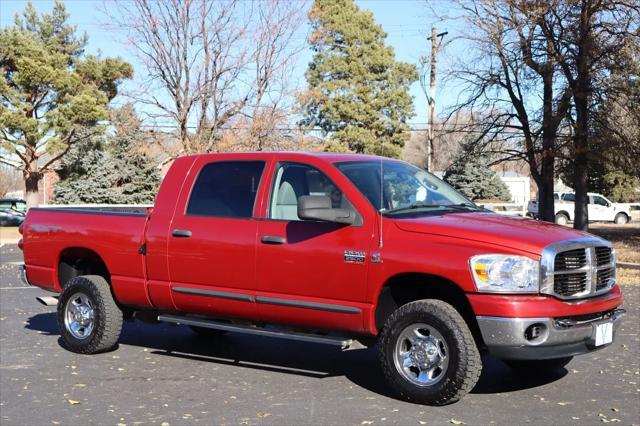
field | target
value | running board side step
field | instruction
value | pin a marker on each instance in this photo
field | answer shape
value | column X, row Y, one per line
column 303, row 337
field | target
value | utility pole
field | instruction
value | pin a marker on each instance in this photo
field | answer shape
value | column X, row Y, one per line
column 436, row 40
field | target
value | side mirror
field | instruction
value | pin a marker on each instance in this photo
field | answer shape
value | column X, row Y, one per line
column 318, row 207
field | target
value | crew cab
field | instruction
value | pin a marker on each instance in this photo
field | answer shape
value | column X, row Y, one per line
column 600, row 209
column 335, row 249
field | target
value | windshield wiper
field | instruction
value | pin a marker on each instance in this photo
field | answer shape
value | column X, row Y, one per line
column 415, row 206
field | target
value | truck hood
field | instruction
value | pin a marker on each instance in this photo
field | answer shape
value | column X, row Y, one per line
column 514, row 232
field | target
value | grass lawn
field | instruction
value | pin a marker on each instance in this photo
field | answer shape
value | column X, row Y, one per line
column 626, row 241
column 9, row 234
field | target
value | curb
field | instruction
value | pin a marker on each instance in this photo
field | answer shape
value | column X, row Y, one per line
column 628, row 265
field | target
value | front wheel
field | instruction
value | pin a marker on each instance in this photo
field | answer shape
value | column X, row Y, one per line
column 621, row 219
column 537, row 366
column 427, row 353
column 89, row 319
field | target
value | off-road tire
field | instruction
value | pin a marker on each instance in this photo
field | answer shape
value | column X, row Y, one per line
column 537, row 366
column 107, row 316
column 464, row 365
column 561, row 219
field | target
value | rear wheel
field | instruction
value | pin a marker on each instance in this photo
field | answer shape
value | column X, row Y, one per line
column 562, row 219
column 427, row 353
column 621, row 219
column 537, row 366
column 89, row 319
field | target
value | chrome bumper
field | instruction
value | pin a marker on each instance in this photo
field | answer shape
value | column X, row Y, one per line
column 554, row 338
column 22, row 271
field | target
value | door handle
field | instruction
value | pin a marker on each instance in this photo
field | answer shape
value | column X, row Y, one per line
column 272, row 239
column 181, row 233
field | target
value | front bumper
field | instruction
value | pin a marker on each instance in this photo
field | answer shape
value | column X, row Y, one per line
column 556, row 337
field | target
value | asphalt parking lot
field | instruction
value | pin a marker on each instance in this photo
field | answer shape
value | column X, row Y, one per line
column 166, row 375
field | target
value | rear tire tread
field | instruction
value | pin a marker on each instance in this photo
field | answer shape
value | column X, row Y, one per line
column 108, row 316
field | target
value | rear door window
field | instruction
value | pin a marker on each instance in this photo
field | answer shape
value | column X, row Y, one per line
column 226, row 189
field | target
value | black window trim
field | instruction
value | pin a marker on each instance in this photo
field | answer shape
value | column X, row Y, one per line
column 272, row 191
column 195, row 180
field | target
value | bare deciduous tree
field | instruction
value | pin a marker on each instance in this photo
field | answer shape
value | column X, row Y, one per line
column 513, row 88
column 10, row 180
column 210, row 62
column 587, row 38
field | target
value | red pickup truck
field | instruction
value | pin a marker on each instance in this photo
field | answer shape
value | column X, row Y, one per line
column 331, row 248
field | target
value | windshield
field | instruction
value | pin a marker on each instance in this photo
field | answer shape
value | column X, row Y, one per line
column 404, row 188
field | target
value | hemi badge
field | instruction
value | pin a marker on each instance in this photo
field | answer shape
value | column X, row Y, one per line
column 352, row 256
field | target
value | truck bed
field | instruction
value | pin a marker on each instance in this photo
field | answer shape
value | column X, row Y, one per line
column 115, row 235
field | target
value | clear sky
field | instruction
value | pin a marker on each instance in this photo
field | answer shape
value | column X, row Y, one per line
column 407, row 22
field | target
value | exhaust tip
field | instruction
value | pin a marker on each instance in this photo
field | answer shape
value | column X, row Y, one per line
column 48, row 300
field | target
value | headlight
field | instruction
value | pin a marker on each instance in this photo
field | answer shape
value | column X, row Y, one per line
column 499, row 273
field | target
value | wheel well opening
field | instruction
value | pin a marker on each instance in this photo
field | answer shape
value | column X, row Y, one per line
column 562, row 212
column 77, row 261
column 406, row 288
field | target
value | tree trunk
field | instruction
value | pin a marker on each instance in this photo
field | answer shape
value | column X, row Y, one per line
column 581, row 146
column 32, row 194
column 546, row 203
column 546, row 206
column 582, row 97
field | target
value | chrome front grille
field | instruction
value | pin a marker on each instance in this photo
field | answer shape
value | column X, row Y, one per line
column 570, row 259
column 570, row 284
column 578, row 268
column 603, row 255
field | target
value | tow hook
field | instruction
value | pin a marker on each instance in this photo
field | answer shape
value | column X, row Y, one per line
column 48, row 300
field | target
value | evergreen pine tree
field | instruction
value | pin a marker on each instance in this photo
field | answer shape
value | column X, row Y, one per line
column 110, row 169
column 50, row 90
column 358, row 93
column 471, row 175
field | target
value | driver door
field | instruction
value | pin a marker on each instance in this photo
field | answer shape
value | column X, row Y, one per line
column 310, row 273
column 598, row 208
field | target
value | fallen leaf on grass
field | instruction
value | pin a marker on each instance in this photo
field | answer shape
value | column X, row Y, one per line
column 73, row 401
column 263, row 415
column 457, row 422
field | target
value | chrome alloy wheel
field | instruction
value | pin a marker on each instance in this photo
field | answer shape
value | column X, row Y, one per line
column 421, row 355
column 79, row 316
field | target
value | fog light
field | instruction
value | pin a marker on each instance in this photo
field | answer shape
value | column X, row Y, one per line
column 536, row 333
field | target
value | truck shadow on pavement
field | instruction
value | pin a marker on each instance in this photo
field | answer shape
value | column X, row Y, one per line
column 288, row 357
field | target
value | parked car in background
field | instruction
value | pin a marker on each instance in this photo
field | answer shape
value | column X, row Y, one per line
column 12, row 211
column 9, row 217
column 600, row 209
column 13, row 204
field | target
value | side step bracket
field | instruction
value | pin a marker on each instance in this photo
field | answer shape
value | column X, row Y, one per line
column 258, row 331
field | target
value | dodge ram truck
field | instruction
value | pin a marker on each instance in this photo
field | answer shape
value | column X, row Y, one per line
column 334, row 249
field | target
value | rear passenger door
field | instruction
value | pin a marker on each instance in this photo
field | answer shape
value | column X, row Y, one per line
column 212, row 239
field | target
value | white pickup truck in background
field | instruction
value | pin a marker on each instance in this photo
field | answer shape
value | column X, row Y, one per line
column 600, row 209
